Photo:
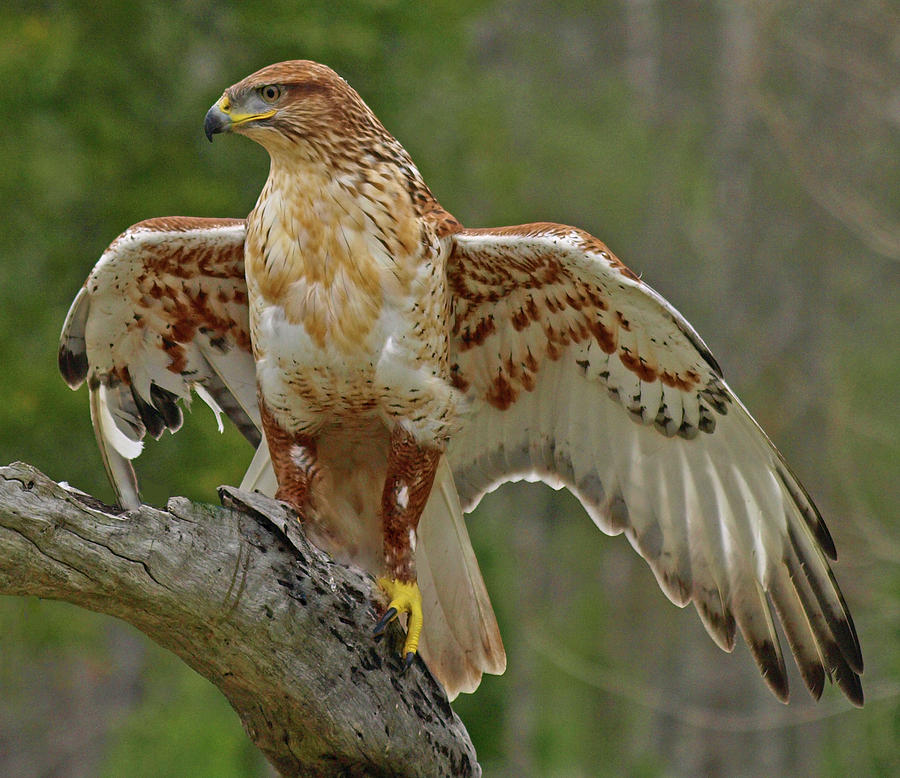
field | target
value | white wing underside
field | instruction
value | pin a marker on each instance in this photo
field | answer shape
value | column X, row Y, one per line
column 634, row 418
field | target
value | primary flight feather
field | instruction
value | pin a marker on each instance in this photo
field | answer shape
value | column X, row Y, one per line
column 394, row 366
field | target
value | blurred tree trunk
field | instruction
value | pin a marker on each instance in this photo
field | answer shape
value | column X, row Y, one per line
column 521, row 725
column 247, row 602
column 642, row 50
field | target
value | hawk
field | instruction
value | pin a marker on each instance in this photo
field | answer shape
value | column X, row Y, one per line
column 393, row 366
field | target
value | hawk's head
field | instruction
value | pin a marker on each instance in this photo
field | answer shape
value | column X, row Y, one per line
column 292, row 104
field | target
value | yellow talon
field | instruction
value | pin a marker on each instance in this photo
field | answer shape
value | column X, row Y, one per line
column 405, row 598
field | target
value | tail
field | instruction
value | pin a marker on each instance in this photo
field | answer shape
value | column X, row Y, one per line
column 461, row 640
column 260, row 477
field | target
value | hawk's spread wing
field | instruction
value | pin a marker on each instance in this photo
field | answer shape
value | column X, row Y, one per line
column 163, row 312
column 581, row 375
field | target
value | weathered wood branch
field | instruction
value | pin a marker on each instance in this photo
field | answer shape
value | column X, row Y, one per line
column 241, row 596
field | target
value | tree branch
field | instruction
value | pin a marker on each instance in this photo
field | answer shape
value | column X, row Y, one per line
column 241, row 596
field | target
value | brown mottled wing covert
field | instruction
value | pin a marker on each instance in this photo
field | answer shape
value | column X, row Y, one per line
column 163, row 312
column 582, row 376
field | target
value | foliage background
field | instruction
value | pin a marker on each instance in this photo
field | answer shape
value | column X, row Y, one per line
column 743, row 156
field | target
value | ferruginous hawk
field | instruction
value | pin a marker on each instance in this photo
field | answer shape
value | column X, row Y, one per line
column 395, row 366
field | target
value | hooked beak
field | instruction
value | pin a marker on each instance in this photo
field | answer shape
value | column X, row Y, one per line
column 223, row 118
column 216, row 121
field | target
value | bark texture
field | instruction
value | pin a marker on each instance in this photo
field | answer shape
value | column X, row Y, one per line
column 240, row 595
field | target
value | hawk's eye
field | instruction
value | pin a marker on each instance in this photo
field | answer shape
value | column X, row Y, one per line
column 270, row 93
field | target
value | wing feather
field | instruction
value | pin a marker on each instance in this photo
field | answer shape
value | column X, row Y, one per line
column 118, row 467
column 578, row 373
column 162, row 314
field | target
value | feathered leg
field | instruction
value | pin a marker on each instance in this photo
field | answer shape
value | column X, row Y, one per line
column 410, row 476
column 294, row 460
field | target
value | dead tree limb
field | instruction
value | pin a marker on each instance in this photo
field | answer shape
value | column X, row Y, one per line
column 241, row 596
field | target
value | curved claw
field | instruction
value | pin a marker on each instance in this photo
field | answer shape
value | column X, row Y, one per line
column 405, row 598
column 381, row 626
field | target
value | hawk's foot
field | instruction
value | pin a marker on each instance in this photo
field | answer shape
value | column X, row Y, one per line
column 405, row 598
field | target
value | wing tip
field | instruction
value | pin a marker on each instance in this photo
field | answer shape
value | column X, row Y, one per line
column 814, row 677
column 717, row 619
column 166, row 403
column 804, row 503
column 841, row 672
column 848, row 644
column 846, row 679
column 838, row 623
column 153, row 420
column 851, row 686
column 770, row 661
column 73, row 365
column 72, row 355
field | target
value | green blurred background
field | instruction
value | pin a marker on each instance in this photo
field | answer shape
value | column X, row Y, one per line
column 743, row 156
